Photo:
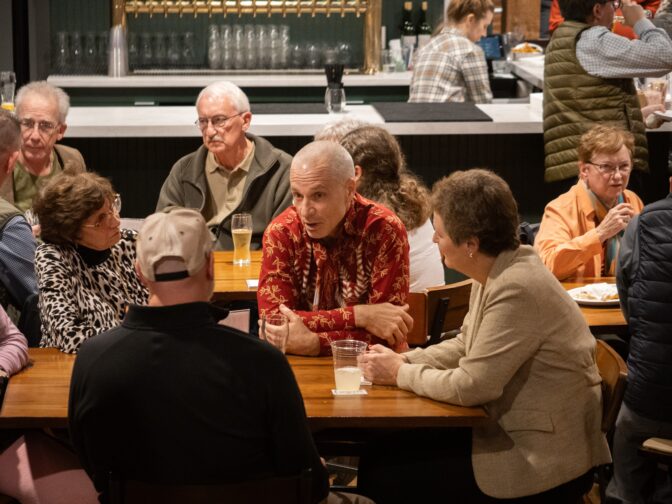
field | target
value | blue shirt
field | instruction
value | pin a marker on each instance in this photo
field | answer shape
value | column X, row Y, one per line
column 17, row 259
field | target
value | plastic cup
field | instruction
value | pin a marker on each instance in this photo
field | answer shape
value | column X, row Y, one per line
column 241, row 231
column 347, row 373
column 279, row 325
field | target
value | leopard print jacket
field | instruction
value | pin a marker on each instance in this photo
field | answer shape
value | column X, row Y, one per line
column 78, row 301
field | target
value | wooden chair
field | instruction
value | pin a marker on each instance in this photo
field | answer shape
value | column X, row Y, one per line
column 279, row 490
column 446, row 308
column 658, row 449
column 614, row 374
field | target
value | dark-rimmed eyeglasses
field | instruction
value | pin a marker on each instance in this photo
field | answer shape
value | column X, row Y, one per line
column 104, row 219
column 218, row 122
column 45, row 127
column 609, row 169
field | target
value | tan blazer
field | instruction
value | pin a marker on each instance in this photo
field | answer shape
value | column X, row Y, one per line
column 69, row 158
column 525, row 353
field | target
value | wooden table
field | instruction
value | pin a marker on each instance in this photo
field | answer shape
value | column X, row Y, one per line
column 37, row 397
column 230, row 279
column 600, row 318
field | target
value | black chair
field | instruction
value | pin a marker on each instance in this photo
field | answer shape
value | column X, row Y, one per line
column 278, row 490
column 29, row 321
column 527, row 232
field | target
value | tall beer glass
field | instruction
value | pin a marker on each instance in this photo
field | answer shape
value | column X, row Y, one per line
column 241, row 230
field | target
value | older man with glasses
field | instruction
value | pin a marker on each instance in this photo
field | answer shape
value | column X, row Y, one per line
column 588, row 79
column 42, row 110
column 581, row 230
column 232, row 172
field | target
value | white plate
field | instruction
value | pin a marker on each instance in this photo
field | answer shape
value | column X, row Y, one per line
column 597, row 290
column 539, row 49
column 665, row 116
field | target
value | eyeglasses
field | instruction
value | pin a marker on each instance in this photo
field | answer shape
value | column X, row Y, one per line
column 610, row 170
column 106, row 218
column 45, row 127
column 218, row 122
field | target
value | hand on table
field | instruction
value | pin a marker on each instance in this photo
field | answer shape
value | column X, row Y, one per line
column 615, row 221
column 385, row 321
column 380, row 365
column 632, row 12
column 650, row 119
column 301, row 340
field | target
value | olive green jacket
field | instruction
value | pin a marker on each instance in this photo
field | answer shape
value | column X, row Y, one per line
column 574, row 101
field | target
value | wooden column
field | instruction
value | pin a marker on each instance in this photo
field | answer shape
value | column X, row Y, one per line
column 523, row 16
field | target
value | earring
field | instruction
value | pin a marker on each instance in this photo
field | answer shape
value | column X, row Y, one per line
column 471, row 255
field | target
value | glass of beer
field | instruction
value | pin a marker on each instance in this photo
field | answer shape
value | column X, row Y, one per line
column 347, row 373
column 7, row 87
column 241, row 231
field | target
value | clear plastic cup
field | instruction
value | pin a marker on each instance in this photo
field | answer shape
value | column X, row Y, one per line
column 347, row 374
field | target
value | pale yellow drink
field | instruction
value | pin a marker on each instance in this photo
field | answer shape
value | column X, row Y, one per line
column 7, row 106
column 348, row 378
column 241, row 245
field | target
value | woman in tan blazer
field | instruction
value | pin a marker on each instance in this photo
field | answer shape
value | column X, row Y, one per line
column 524, row 353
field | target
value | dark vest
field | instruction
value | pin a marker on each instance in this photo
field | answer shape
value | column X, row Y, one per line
column 649, row 391
column 574, row 101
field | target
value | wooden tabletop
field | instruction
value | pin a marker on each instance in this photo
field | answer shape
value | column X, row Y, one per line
column 230, row 279
column 604, row 318
column 37, row 397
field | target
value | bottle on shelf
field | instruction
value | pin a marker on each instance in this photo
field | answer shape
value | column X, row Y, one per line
column 408, row 38
column 422, row 29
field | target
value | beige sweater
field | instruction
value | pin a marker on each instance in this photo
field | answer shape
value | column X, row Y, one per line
column 525, row 353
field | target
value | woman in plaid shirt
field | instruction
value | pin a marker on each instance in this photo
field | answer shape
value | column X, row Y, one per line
column 452, row 68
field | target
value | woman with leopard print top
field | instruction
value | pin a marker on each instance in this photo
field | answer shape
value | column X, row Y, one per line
column 85, row 268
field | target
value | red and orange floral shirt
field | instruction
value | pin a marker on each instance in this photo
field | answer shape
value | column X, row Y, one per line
column 366, row 264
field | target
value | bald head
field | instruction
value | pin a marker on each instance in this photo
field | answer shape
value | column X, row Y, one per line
column 327, row 157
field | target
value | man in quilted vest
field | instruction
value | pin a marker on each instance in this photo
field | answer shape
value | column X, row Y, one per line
column 588, row 76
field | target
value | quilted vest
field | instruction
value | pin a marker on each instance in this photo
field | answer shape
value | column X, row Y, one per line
column 649, row 391
column 574, row 101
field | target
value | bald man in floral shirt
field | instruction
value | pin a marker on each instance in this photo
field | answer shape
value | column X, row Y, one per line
column 335, row 263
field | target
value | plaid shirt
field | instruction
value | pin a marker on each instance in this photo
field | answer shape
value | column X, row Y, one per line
column 368, row 264
column 450, row 68
column 605, row 54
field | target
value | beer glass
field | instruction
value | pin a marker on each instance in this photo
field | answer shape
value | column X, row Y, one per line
column 7, row 87
column 241, row 231
column 347, row 373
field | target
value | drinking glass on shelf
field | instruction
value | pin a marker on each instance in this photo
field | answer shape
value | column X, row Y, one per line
column 173, row 51
column 226, row 46
column 189, row 50
column 241, row 231
column 7, row 88
column 159, row 50
column 251, row 60
column 275, row 329
column 76, row 52
column 133, row 51
column 103, row 52
column 61, row 53
column 90, row 52
column 214, row 47
column 146, row 56
column 344, row 53
column 313, row 55
column 298, row 56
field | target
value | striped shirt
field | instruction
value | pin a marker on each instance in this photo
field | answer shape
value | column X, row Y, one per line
column 450, row 68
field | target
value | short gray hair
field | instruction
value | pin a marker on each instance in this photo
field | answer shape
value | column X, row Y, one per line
column 337, row 160
column 10, row 136
column 46, row 90
column 228, row 90
column 335, row 131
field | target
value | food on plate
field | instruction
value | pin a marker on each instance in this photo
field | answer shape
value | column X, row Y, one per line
column 527, row 48
column 596, row 292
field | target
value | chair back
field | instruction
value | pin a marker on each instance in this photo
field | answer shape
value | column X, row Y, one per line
column 614, row 374
column 277, row 490
column 417, row 309
column 446, row 308
column 29, row 322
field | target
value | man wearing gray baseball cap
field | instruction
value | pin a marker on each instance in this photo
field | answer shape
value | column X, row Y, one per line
column 171, row 396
